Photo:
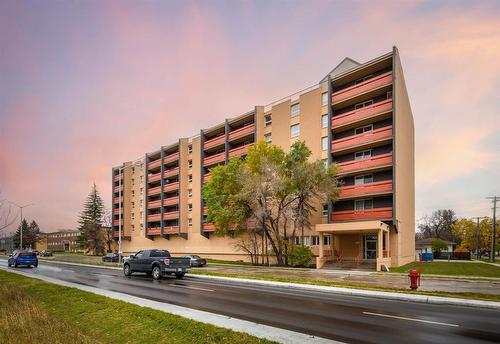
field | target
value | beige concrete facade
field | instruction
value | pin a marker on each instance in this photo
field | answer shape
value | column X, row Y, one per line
column 358, row 116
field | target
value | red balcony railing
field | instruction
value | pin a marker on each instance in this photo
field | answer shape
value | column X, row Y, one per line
column 171, row 201
column 117, row 177
column 116, row 222
column 366, row 189
column 360, row 139
column 362, row 164
column 241, row 132
column 363, row 113
column 117, row 188
column 154, row 177
column 116, row 234
column 171, row 157
column 154, row 218
column 154, row 164
column 239, row 151
column 153, row 231
column 171, row 186
column 214, row 159
column 154, row 204
column 117, row 200
column 154, row 191
column 171, row 215
column 206, row 177
column 216, row 141
column 171, row 229
column 365, row 86
column 366, row 214
column 171, row 172
column 117, row 211
column 208, row 227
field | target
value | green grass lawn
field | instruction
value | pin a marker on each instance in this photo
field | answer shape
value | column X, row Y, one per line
column 38, row 312
column 230, row 262
column 455, row 269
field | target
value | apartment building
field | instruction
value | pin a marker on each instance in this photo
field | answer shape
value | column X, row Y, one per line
column 62, row 240
column 358, row 116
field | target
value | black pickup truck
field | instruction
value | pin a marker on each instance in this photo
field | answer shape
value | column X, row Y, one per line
column 156, row 263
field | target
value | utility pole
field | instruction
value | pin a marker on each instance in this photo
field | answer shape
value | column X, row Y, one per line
column 494, row 199
column 21, row 225
column 478, row 235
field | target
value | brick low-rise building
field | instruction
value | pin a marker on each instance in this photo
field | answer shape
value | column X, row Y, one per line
column 63, row 240
column 358, row 116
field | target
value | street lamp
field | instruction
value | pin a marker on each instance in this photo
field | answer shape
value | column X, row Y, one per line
column 21, row 225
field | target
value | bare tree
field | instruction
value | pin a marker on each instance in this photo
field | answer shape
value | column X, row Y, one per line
column 7, row 217
column 250, row 243
column 438, row 225
column 107, row 230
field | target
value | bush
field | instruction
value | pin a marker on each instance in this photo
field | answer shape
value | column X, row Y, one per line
column 300, row 256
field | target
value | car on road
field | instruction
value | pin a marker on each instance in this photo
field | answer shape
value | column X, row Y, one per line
column 156, row 263
column 46, row 253
column 197, row 261
column 23, row 258
column 35, row 252
column 111, row 257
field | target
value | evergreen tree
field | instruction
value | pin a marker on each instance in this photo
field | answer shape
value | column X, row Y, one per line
column 31, row 234
column 90, row 223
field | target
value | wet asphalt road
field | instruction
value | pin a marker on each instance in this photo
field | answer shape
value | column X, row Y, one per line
column 344, row 318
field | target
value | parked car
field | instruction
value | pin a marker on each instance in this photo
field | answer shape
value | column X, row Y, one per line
column 35, row 252
column 156, row 263
column 46, row 253
column 23, row 258
column 197, row 260
column 110, row 257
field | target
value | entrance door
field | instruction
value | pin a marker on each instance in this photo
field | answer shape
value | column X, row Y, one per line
column 370, row 247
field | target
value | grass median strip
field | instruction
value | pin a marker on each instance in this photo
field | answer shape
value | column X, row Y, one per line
column 472, row 296
column 38, row 312
column 452, row 269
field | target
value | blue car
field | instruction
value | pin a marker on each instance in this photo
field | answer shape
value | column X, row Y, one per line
column 23, row 258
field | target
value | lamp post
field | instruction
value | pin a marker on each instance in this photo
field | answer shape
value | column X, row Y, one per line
column 21, row 223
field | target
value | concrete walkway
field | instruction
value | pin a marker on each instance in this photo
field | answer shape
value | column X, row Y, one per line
column 428, row 283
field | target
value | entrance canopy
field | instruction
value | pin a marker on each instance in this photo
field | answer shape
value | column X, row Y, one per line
column 352, row 227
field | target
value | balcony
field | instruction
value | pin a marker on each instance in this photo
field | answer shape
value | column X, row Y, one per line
column 153, row 231
column 206, row 177
column 171, row 230
column 216, row 141
column 365, row 86
column 170, row 158
column 117, row 177
column 117, row 211
column 209, row 227
column 116, row 222
column 364, row 164
column 116, row 234
column 363, row 113
column 154, row 164
column 154, row 204
column 154, row 191
column 171, row 186
column 376, row 135
column 171, row 215
column 117, row 188
column 214, row 159
column 171, row 172
column 384, row 186
column 154, row 177
column 239, row 151
column 117, row 200
column 366, row 214
column 171, row 201
column 241, row 132
column 154, row 218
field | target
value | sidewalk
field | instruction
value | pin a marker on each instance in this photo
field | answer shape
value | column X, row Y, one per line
column 428, row 283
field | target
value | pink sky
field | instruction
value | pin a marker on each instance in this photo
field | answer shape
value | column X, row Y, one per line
column 86, row 85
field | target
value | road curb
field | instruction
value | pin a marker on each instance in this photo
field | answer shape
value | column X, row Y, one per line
column 439, row 300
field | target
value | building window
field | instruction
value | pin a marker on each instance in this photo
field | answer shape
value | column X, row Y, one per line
column 324, row 98
column 190, row 207
column 142, row 191
column 133, row 227
column 363, row 155
column 190, row 163
column 389, row 95
column 305, row 240
column 314, row 240
column 325, row 210
column 190, row 149
column 268, row 138
column 133, row 169
column 190, row 193
column 133, row 205
column 142, row 225
column 295, row 110
column 133, row 181
column 142, row 178
column 362, row 204
column 295, row 130
column 360, row 180
column 327, row 239
column 190, row 222
column 325, row 161
column 268, row 120
column 133, row 193
column 363, row 104
column 324, row 143
column 364, row 129
column 190, row 178
column 324, row 121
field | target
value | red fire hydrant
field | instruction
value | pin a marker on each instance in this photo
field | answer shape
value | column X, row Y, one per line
column 414, row 279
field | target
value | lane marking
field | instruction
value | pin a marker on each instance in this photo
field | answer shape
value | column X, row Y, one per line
column 410, row 319
column 189, row 287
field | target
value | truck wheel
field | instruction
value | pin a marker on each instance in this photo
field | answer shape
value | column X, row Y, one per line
column 126, row 270
column 15, row 264
column 9, row 264
column 179, row 275
column 156, row 272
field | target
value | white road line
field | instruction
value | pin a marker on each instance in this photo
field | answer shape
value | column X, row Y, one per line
column 189, row 287
column 411, row 319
